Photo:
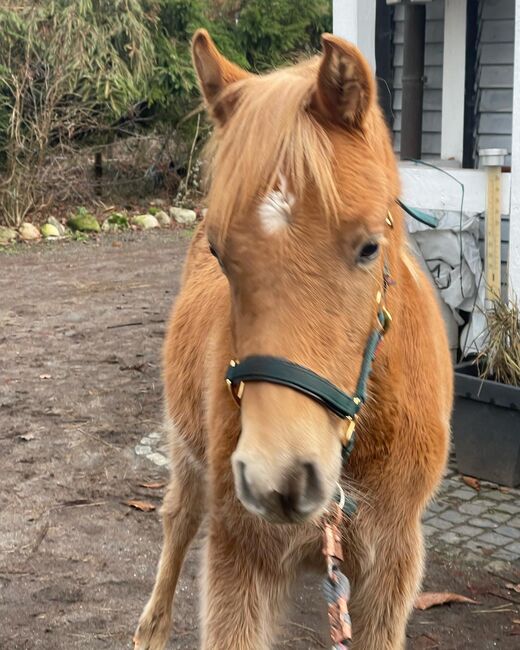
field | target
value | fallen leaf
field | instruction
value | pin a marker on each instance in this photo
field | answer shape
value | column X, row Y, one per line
column 143, row 506
column 153, row 486
column 516, row 588
column 26, row 437
column 472, row 482
column 516, row 621
column 431, row 599
column 504, row 490
column 45, row 376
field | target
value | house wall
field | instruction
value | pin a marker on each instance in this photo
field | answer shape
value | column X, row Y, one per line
column 494, row 88
column 432, row 100
column 495, row 52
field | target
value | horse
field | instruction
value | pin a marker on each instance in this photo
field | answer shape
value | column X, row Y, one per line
column 301, row 258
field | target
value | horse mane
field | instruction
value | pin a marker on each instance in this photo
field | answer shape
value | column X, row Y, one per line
column 270, row 131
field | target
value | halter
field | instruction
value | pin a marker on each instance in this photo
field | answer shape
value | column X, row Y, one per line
column 277, row 370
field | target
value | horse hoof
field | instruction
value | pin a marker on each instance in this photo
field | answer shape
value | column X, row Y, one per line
column 152, row 632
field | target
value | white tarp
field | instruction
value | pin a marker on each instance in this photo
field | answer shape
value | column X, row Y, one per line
column 451, row 252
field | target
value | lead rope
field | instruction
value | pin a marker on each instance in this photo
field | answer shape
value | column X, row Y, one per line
column 336, row 585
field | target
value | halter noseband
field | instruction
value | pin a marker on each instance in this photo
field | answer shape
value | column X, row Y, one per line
column 277, row 370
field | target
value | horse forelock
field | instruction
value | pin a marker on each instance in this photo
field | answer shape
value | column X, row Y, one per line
column 271, row 134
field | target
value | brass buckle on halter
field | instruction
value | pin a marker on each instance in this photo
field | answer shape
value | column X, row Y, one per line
column 387, row 320
column 236, row 393
column 351, row 422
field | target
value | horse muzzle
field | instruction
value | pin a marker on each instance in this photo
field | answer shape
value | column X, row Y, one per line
column 295, row 497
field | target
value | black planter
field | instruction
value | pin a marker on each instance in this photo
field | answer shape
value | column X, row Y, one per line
column 486, row 427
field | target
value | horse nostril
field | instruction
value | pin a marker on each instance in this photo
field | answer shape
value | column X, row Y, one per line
column 314, row 491
column 245, row 490
column 303, row 490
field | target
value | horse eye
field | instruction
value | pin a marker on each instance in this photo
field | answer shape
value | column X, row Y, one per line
column 368, row 252
column 215, row 254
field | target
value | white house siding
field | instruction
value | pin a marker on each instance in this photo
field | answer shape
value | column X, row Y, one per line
column 494, row 83
column 432, row 99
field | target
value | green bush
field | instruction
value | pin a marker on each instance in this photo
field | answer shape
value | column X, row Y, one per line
column 85, row 72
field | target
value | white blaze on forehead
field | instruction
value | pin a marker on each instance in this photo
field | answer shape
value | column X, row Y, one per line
column 275, row 209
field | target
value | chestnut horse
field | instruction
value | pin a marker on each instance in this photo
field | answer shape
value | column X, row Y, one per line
column 302, row 248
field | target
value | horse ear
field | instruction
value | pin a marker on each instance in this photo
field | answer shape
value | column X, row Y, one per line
column 345, row 86
column 215, row 74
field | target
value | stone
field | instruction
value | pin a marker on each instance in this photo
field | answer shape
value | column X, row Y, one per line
column 508, row 531
column 143, row 450
column 477, row 546
column 58, row 225
column 467, row 531
column 494, row 539
column 450, row 538
column 499, row 496
column 437, row 506
column 497, row 566
column 511, row 508
column 83, row 222
column 7, row 235
column 145, row 221
column 514, row 548
column 453, row 516
column 429, row 530
column 482, row 523
column 442, row 524
column 464, row 494
column 49, row 231
column 499, row 517
column 183, row 216
column 115, row 222
column 163, row 219
column 504, row 554
column 473, row 508
column 29, row 232
column 158, row 458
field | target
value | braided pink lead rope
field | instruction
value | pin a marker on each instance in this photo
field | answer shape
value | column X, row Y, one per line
column 336, row 585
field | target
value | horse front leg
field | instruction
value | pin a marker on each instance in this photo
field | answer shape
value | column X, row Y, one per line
column 182, row 512
column 386, row 585
column 242, row 596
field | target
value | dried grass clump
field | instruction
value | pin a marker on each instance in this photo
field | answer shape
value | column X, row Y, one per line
column 500, row 358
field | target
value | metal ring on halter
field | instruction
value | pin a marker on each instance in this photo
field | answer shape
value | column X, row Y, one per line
column 341, row 501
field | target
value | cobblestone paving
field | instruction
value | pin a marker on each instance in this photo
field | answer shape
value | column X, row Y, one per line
column 476, row 525
column 461, row 521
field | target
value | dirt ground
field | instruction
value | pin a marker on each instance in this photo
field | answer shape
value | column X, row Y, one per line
column 81, row 327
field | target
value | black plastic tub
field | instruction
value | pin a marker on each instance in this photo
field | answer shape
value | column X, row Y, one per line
column 486, row 427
